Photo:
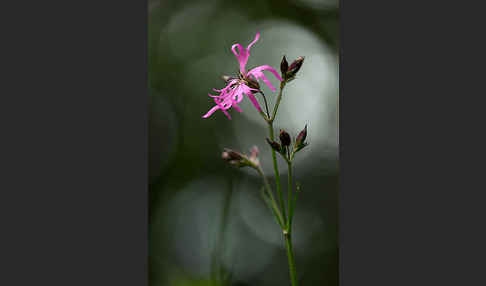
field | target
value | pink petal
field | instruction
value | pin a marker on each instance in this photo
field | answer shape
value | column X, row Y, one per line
column 228, row 86
column 237, row 94
column 267, row 82
column 246, row 89
column 242, row 57
column 225, row 105
column 211, row 111
column 254, row 101
column 243, row 54
column 254, row 41
column 257, row 73
column 263, row 68
column 226, row 113
column 260, row 75
column 214, row 96
column 237, row 108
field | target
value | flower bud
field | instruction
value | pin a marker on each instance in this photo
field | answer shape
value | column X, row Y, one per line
column 275, row 146
column 284, row 66
column 233, row 157
column 295, row 67
column 241, row 160
column 284, row 138
column 302, row 135
column 300, row 140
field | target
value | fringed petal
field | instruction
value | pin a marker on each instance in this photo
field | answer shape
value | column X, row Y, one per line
column 242, row 56
column 254, row 101
column 237, row 108
column 211, row 111
column 257, row 36
column 267, row 82
column 237, row 94
column 260, row 69
column 257, row 73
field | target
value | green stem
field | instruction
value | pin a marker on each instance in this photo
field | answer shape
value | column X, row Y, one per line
column 274, row 155
column 290, row 255
column 279, row 98
column 286, row 230
column 277, row 174
column 266, row 104
column 273, row 204
column 290, row 205
column 265, row 117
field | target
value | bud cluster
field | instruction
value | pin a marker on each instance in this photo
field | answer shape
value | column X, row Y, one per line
column 289, row 72
column 284, row 146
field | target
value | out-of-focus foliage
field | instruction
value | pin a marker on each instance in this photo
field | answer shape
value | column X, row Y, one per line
column 208, row 225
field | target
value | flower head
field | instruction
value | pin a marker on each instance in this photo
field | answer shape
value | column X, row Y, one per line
column 245, row 84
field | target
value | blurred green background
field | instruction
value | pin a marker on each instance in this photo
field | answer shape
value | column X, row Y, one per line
column 208, row 225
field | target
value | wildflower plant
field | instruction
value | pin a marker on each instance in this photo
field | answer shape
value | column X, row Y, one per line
column 246, row 83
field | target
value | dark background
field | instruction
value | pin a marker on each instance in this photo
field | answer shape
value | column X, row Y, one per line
column 207, row 224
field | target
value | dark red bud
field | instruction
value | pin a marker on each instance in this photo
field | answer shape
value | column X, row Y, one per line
column 275, row 146
column 234, row 158
column 284, row 138
column 230, row 155
column 295, row 66
column 284, row 66
column 300, row 140
column 302, row 135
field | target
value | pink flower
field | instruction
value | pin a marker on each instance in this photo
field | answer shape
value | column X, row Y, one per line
column 246, row 84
